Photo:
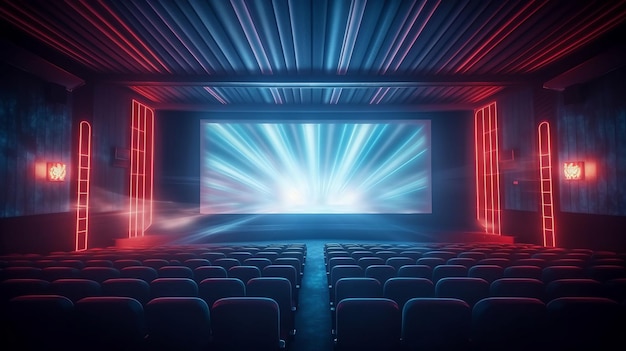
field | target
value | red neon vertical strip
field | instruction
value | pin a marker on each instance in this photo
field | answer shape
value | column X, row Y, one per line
column 496, row 161
column 486, row 142
column 82, row 201
column 151, row 155
column 489, row 186
column 484, row 175
column 141, row 170
column 545, row 173
column 132, row 196
column 476, row 147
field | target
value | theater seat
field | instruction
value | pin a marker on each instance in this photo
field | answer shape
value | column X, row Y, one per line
column 488, row 272
column 380, row 272
column 75, row 288
column 435, row 324
column 22, row 272
column 258, row 262
column 511, row 323
column 278, row 289
column 177, row 323
column 11, row 288
column 144, row 273
column 194, row 263
column 110, row 323
column 226, row 263
column 38, row 322
column 213, row 289
column 518, row 287
column 166, row 287
column 397, row 262
column 468, row 289
column 606, row 272
column 246, row 323
column 575, row 287
column 402, row 289
column 551, row 273
column 365, row 262
column 127, row 287
column 121, row 263
column 244, row 273
column 367, row 324
column 203, row 272
column 53, row 273
column 284, row 271
column 175, row 272
column 586, row 323
column 448, row 270
column 415, row 271
column 357, row 287
column 533, row 272
column 99, row 273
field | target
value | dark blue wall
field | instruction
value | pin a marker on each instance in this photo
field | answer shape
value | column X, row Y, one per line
column 38, row 124
column 588, row 124
column 36, row 128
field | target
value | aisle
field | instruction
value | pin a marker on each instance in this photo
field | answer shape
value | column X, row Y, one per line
column 313, row 316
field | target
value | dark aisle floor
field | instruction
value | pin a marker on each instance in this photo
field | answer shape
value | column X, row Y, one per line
column 313, row 316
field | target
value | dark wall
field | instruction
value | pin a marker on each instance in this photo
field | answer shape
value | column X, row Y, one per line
column 40, row 124
column 36, row 128
column 178, row 157
column 592, row 129
column 588, row 124
column 518, row 151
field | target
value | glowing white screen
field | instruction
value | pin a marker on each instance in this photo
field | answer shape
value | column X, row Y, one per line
column 345, row 167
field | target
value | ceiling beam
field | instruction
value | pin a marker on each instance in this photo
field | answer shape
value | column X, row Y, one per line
column 312, row 108
column 595, row 67
column 314, row 81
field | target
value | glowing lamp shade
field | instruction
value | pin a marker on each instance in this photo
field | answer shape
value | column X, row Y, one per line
column 56, row 171
column 574, row 170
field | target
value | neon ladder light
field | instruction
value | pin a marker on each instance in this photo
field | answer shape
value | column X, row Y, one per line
column 487, row 169
column 84, row 170
column 141, row 169
column 545, row 172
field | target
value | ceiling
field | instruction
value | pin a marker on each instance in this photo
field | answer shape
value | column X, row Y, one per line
column 207, row 54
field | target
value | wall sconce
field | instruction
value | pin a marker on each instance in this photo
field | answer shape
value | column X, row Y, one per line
column 56, row 171
column 574, row 170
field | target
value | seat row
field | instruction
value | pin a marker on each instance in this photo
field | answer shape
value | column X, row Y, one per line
column 494, row 323
column 120, row 260
column 382, row 273
column 475, row 251
column 190, row 269
column 178, row 255
column 471, row 290
column 122, row 323
column 209, row 290
column 170, row 251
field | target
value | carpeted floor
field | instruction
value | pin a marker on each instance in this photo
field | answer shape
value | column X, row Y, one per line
column 313, row 321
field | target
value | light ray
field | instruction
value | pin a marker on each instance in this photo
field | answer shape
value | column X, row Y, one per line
column 332, row 167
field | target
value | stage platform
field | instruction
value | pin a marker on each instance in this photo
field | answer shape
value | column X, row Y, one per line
column 203, row 229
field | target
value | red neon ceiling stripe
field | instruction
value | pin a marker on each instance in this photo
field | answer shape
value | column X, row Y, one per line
column 136, row 37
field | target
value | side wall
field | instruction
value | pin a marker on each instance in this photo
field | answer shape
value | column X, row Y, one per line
column 589, row 125
column 40, row 124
